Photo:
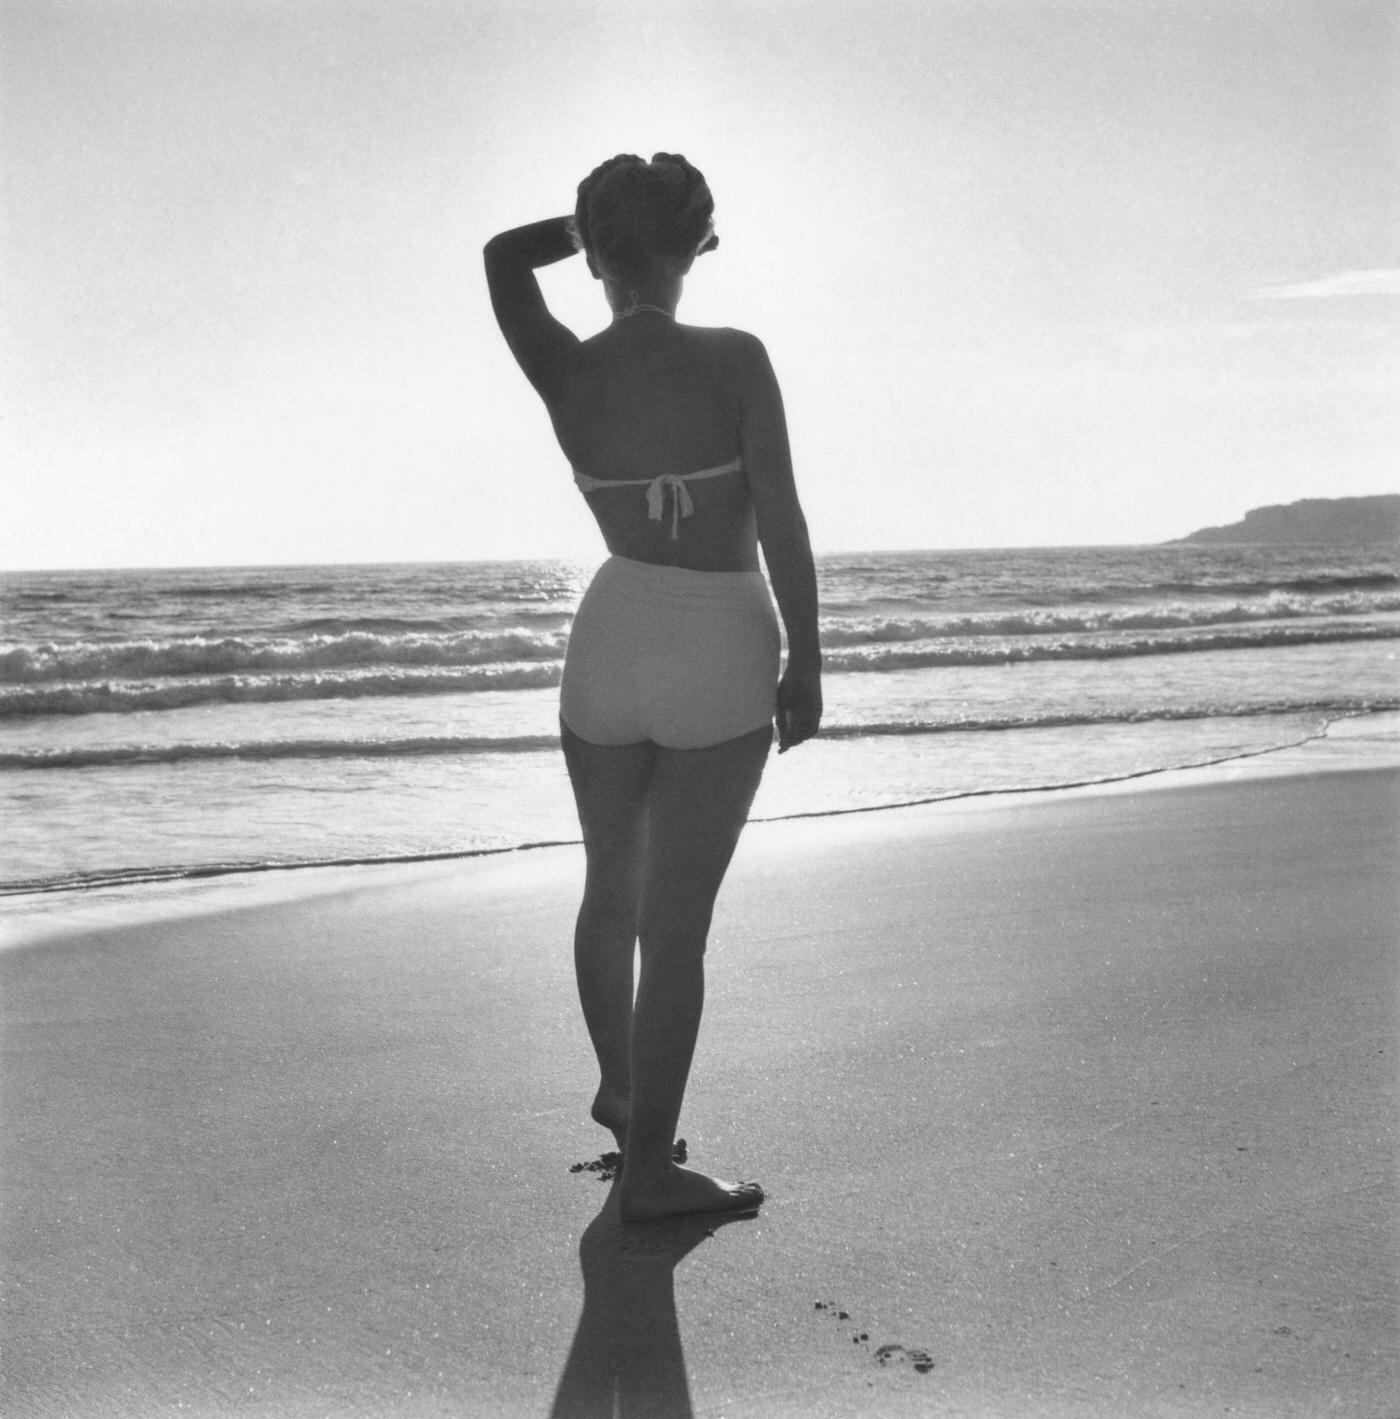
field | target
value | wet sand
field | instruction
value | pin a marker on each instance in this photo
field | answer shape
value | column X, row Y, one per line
column 1077, row 1104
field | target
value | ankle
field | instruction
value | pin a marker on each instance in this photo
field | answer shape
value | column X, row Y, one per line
column 644, row 1166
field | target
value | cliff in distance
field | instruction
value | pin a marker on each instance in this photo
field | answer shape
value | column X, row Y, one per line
column 1341, row 522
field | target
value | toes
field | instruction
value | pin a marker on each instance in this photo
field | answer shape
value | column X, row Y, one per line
column 687, row 1192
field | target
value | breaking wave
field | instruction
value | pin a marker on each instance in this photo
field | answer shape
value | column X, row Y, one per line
column 122, row 755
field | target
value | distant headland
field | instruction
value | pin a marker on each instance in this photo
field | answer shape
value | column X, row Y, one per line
column 1342, row 522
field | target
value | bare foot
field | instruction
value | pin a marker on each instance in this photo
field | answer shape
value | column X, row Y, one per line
column 679, row 1190
column 610, row 1110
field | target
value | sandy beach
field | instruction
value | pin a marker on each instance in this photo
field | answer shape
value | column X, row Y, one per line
column 1076, row 1103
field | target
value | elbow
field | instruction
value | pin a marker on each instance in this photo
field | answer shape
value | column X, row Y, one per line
column 785, row 538
column 784, row 524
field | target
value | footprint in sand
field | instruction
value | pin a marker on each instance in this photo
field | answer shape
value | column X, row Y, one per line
column 605, row 1165
column 891, row 1354
column 921, row 1360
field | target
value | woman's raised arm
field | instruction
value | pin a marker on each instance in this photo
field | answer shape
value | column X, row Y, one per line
column 541, row 345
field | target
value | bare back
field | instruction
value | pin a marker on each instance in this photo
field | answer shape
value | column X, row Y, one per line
column 648, row 397
column 645, row 397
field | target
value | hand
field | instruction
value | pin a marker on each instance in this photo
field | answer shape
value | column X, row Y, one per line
column 799, row 705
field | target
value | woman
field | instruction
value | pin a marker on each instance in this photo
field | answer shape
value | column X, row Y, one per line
column 677, row 440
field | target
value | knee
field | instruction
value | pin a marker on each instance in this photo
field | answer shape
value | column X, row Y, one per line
column 673, row 934
column 609, row 908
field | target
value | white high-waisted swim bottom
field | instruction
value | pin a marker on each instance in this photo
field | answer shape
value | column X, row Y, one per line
column 682, row 658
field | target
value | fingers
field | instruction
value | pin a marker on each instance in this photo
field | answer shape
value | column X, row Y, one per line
column 799, row 710
column 795, row 727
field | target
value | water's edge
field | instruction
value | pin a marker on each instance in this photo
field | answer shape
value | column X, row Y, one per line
column 79, row 884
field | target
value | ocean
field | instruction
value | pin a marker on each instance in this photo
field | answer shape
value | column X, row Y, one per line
column 166, row 724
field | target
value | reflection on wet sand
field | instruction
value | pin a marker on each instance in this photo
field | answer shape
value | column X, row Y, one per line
column 626, row 1361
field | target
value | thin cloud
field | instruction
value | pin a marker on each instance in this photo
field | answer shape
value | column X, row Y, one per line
column 1384, row 282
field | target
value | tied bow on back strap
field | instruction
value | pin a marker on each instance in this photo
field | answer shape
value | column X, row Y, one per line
column 682, row 504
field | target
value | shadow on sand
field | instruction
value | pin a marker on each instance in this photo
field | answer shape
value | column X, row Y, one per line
column 626, row 1361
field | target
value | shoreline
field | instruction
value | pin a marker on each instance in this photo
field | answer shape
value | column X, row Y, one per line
column 1081, row 1104
column 1350, row 743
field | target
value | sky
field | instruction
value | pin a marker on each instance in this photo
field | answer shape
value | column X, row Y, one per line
column 1031, row 272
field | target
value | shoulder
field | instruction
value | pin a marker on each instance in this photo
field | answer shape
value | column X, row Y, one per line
column 737, row 342
column 741, row 355
column 747, row 366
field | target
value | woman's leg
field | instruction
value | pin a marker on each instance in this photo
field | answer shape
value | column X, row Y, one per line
column 610, row 788
column 697, row 803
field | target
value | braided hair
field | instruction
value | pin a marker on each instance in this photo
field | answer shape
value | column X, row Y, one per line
column 633, row 215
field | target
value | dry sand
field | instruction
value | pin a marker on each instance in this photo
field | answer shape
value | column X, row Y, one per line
column 1080, row 1105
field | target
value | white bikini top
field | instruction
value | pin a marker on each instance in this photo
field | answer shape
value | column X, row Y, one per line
column 657, row 488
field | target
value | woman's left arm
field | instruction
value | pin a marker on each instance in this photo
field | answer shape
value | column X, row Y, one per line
column 542, row 346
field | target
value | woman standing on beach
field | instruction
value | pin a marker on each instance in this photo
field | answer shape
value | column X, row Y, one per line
column 677, row 440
